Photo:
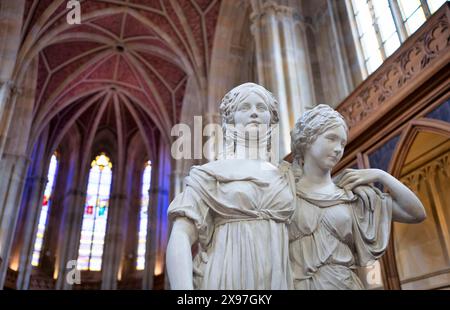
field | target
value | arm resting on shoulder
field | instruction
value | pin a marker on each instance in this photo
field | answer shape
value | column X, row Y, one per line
column 407, row 207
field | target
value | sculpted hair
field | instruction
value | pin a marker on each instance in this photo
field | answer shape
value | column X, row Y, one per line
column 230, row 102
column 312, row 124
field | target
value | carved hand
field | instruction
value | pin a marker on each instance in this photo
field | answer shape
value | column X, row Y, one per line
column 355, row 177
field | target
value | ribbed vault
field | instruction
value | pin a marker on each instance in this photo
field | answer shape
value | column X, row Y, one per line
column 134, row 56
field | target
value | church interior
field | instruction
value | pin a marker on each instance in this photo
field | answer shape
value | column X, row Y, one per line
column 87, row 111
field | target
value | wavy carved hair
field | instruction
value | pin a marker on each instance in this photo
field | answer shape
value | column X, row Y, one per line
column 230, row 102
column 312, row 124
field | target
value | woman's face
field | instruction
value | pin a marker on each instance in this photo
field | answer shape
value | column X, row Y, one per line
column 328, row 148
column 252, row 111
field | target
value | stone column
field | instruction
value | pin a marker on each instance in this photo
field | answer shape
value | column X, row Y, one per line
column 282, row 63
column 290, row 59
column 11, row 19
column 164, row 199
column 13, row 170
column 52, row 237
column 71, row 217
column 158, row 230
column 11, row 93
column 6, row 97
column 15, row 160
column 151, row 244
column 27, row 226
column 128, row 262
column 343, row 77
column 69, row 235
column 74, row 177
column 303, row 65
column 32, row 205
column 272, row 65
column 115, row 237
column 331, row 62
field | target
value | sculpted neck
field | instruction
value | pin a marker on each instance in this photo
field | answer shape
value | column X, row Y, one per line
column 245, row 150
column 315, row 176
column 248, row 146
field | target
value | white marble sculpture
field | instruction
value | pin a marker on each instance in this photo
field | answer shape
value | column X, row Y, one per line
column 343, row 223
column 236, row 208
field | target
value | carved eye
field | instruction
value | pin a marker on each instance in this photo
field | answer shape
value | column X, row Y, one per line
column 261, row 109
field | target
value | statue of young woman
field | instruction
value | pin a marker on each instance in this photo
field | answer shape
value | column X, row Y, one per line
column 236, row 208
column 342, row 224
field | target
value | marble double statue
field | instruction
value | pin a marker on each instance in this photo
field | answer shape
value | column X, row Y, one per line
column 236, row 208
column 258, row 226
column 343, row 223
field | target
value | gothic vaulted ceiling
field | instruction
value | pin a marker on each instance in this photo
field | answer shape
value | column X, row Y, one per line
column 127, row 58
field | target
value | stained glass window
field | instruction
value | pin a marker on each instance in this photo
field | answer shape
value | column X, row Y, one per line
column 46, row 202
column 95, row 215
column 142, row 235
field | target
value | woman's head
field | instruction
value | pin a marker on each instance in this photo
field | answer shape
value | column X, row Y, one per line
column 248, row 103
column 322, row 132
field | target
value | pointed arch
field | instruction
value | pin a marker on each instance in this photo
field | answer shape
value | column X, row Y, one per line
column 408, row 137
column 421, row 185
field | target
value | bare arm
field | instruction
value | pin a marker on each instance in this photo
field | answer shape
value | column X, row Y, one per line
column 407, row 207
column 179, row 255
